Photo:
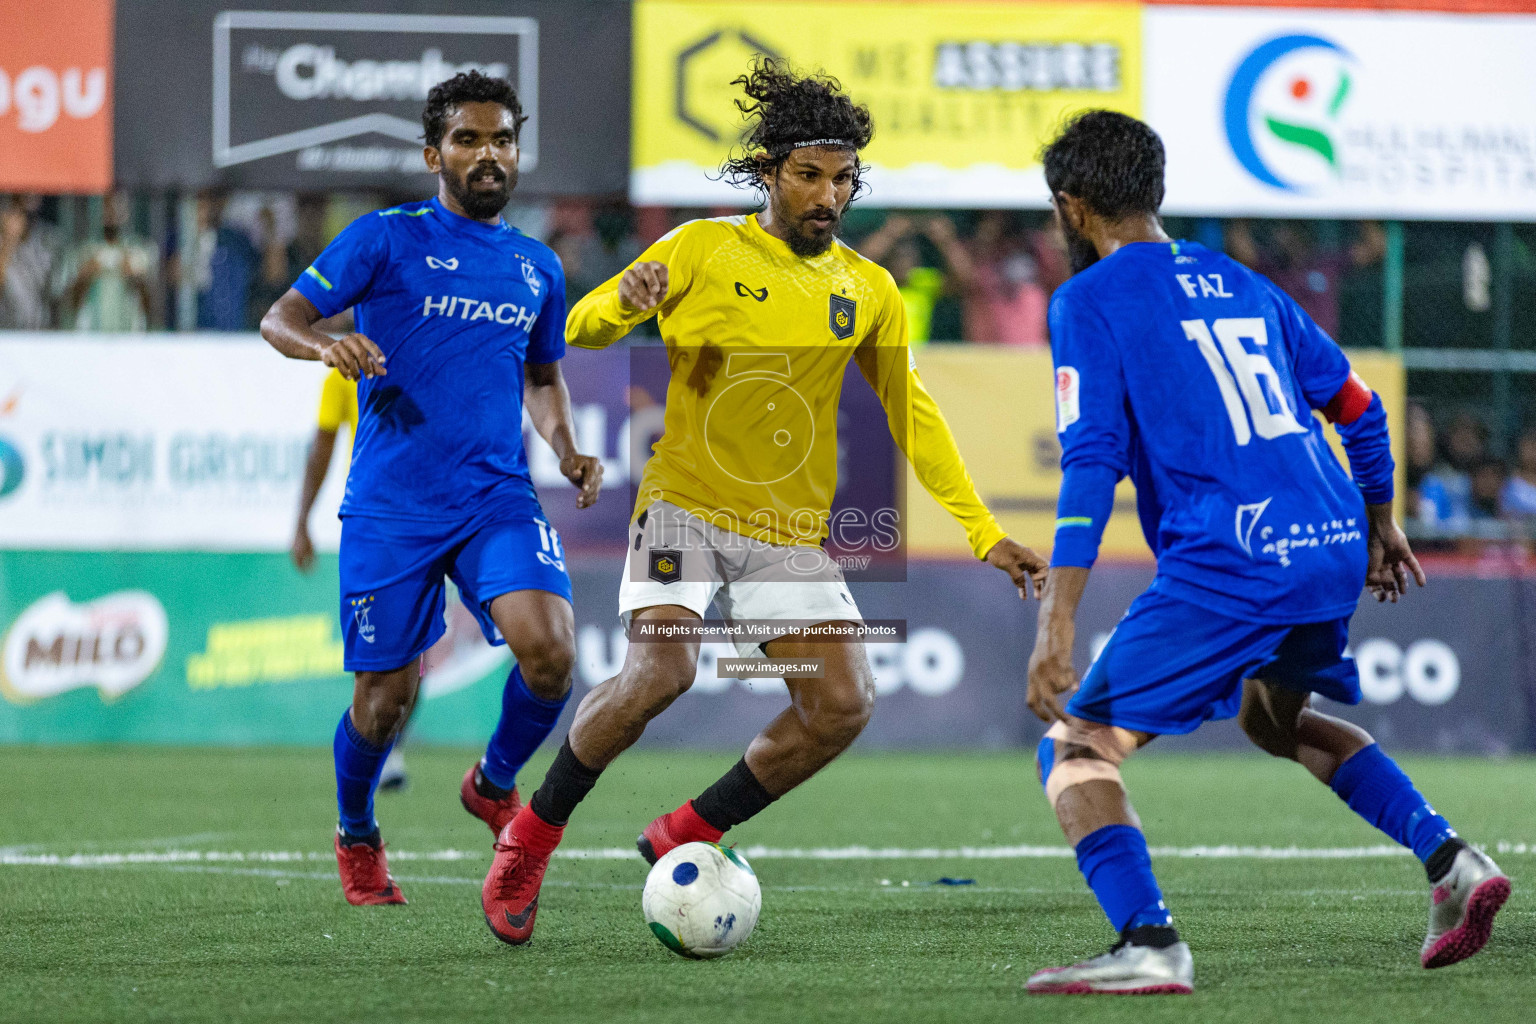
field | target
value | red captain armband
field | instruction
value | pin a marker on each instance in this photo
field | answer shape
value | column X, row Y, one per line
column 1351, row 401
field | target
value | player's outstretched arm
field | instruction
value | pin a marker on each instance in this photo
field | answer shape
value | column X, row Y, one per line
column 1391, row 559
column 924, row 437
column 289, row 327
column 617, row 306
column 548, row 402
column 1051, row 675
column 652, row 285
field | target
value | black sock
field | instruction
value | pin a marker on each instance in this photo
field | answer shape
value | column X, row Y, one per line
column 736, row 797
column 566, row 783
column 1439, row 863
column 488, row 789
column 1158, row 936
column 373, row 839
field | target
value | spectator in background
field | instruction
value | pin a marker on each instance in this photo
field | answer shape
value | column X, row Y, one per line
column 894, row 246
column 612, row 246
column 1292, row 260
column 276, row 273
column 1447, row 487
column 108, row 285
column 1519, row 494
column 283, row 261
column 1003, row 301
column 26, row 263
column 1487, row 483
column 568, row 247
column 1049, row 249
column 1420, row 443
column 310, row 236
column 225, row 269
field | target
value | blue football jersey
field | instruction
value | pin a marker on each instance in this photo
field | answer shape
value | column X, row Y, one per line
column 458, row 308
column 1197, row 377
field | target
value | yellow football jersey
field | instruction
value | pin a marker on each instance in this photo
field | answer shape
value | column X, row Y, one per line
column 338, row 403
column 758, row 340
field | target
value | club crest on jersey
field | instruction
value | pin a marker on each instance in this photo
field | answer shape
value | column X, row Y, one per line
column 360, row 609
column 532, row 277
column 1248, row 517
column 841, row 316
column 666, row 565
column 1068, row 404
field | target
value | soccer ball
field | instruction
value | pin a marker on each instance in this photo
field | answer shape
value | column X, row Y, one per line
column 701, row 900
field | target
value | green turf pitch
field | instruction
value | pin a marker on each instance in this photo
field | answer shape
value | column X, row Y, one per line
column 224, row 940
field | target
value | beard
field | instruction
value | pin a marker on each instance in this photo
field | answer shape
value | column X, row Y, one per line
column 804, row 238
column 1080, row 252
column 482, row 204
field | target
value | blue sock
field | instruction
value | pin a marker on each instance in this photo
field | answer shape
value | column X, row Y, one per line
column 358, row 764
column 525, row 721
column 1115, row 862
column 1375, row 788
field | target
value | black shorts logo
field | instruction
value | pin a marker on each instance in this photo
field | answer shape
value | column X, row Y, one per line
column 666, row 566
column 841, row 316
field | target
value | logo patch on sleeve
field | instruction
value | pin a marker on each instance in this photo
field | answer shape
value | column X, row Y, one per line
column 841, row 316
column 1067, row 409
column 666, row 566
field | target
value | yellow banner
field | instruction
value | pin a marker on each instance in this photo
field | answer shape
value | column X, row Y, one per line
column 999, row 402
column 963, row 94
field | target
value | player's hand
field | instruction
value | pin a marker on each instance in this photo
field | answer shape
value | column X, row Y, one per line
column 586, row 472
column 302, row 551
column 1023, row 566
column 1051, row 674
column 355, row 356
column 643, row 286
column 1391, row 559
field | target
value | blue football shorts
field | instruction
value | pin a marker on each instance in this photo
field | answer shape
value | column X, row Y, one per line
column 392, row 572
column 1171, row 665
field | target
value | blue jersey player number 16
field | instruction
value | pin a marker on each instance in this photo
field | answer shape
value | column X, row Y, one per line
column 460, row 326
column 1197, row 378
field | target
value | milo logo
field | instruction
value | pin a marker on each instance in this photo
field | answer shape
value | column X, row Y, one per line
column 113, row 643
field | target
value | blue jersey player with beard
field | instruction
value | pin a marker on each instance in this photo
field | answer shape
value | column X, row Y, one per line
column 460, row 326
column 1198, row 379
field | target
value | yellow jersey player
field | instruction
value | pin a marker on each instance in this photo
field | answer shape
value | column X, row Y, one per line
column 760, row 315
column 338, row 405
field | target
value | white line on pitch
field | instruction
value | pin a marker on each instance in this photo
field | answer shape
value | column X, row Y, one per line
column 884, row 887
column 17, row 857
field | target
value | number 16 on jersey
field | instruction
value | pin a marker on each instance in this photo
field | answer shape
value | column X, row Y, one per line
column 1252, row 379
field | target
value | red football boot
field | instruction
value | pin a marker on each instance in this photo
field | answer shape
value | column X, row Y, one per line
column 495, row 813
column 672, row 830
column 510, row 896
column 365, row 879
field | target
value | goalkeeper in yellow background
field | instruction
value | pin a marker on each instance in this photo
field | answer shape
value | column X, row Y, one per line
column 760, row 315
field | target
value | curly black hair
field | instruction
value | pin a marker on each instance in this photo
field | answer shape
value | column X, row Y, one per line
column 467, row 87
column 1110, row 161
column 785, row 110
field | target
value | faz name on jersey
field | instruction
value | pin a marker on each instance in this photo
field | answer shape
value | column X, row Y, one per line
column 476, row 309
column 1203, row 285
